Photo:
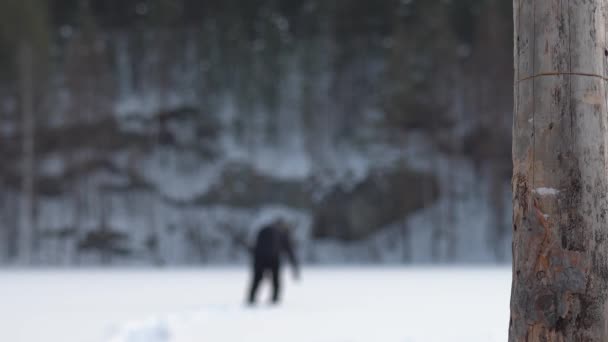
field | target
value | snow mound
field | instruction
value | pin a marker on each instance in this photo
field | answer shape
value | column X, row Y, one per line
column 152, row 330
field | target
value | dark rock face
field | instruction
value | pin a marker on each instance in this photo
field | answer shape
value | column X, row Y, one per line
column 339, row 212
column 242, row 187
column 382, row 198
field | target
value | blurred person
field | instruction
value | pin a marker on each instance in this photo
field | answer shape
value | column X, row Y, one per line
column 272, row 244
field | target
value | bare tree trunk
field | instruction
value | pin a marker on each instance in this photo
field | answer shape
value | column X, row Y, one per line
column 12, row 225
column 406, row 243
column 497, row 208
column 26, row 226
column 560, row 153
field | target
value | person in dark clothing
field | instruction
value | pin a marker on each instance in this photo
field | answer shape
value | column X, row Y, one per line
column 272, row 244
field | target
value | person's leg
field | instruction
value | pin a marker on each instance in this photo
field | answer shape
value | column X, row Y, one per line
column 276, row 282
column 258, row 274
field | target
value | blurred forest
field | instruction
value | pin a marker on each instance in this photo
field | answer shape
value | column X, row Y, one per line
column 166, row 131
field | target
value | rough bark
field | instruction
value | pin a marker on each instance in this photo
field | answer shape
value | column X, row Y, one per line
column 560, row 251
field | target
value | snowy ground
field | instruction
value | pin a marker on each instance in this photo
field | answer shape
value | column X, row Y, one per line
column 328, row 305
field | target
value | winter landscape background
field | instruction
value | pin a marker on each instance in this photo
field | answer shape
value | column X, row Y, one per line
column 144, row 142
column 165, row 132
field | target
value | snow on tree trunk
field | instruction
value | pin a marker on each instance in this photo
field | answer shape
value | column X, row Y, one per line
column 26, row 234
column 560, row 247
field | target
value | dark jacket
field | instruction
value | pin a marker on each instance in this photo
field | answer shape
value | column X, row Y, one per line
column 272, row 243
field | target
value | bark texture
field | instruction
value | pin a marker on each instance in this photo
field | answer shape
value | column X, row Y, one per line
column 560, row 250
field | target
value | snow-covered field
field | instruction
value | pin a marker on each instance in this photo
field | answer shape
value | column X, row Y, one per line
column 328, row 305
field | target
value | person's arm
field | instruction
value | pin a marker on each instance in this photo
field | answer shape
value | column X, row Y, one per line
column 291, row 255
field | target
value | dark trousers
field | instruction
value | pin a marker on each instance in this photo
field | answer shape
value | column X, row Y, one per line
column 265, row 268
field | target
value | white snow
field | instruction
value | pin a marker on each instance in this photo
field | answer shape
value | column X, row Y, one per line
column 328, row 305
column 546, row 191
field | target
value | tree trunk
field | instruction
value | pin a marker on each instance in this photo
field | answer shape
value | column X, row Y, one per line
column 26, row 226
column 560, row 250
